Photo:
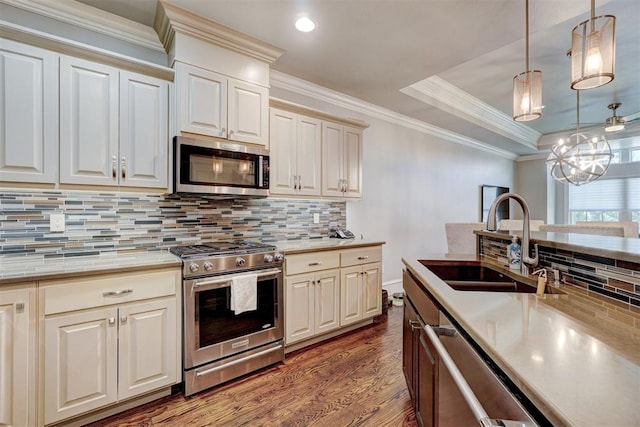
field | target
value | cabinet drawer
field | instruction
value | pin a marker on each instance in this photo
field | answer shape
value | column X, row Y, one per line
column 359, row 256
column 95, row 291
column 314, row 261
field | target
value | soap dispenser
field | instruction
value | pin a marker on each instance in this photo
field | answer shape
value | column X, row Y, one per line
column 513, row 253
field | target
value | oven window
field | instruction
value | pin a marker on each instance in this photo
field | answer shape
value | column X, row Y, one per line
column 216, row 322
column 207, row 166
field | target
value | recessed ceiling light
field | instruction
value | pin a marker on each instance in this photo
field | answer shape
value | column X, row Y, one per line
column 305, row 24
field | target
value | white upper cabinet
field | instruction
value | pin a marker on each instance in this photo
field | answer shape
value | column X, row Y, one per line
column 113, row 126
column 29, row 123
column 214, row 105
column 295, row 147
column 341, row 161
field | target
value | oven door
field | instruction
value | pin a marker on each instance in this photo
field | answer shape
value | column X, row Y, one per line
column 213, row 331
column 216, row 167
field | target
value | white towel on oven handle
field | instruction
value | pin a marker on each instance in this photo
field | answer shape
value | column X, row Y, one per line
column 244, row 293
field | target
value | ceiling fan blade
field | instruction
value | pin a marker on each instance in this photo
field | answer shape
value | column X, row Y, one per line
column 632, row 117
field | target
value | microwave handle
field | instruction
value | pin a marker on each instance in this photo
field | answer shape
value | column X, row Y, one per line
column 225, row 281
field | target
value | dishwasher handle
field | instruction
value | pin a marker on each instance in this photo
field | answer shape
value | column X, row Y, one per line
column 461, row 382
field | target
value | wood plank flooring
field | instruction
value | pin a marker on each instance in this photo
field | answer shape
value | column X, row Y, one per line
column 353, row 380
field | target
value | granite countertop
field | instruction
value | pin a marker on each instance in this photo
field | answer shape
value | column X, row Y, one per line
column 290, row 247
column 28, row 268
column 621, row 248
column 577, row 358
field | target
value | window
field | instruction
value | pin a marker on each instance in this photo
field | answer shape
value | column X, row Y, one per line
column 616, row 199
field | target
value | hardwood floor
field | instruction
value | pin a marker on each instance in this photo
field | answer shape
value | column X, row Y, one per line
column 353, row 380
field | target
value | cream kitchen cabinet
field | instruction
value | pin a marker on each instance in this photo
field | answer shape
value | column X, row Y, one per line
column 296, row 151
column 17, row 357
column 312, row 294
column 107, row 338
column 29, row 138
column 360, row 284
column 113, row 126
column 341, row 161
column 212, row 104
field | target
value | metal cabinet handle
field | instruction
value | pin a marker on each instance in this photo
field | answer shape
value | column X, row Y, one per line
column 363, row 257
column 123, row 168
column 311, row 264
column 123, row 319
column 111, row 320
column 414, row 325
column 299, row 182
column 19, row 307
column 222, row 131
column 114, row 167
column 117, row 293
column 295, row 182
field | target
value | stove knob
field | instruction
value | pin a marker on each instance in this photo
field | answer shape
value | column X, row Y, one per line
column 207, row 265
column 193, row 267
column 240, row 261
column 268, row 258
column 278, row 257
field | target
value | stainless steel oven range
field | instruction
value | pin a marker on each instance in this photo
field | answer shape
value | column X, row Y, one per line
column 222, row 342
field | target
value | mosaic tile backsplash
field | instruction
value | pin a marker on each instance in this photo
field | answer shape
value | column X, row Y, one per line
column 104, row 222
column 616, row 279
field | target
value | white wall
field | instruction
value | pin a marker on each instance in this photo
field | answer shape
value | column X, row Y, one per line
column 413, row 184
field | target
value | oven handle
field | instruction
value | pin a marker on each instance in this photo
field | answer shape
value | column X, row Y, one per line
column 225, row 281
column 235, row 362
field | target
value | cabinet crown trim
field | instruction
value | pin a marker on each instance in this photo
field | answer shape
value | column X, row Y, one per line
column 301, row 109
column 171, row 19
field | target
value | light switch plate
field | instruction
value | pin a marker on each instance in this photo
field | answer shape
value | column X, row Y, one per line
column 316, row 218
column 56, row 222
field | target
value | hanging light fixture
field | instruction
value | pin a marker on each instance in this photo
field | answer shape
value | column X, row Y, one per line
column 580, row 158
column 593, row 51
column 527, row 86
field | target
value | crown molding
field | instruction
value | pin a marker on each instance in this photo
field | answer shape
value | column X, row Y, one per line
column 537, row 156
column 64, row 46
column 303, row 87
column 93, row 19
column 447, row 97
column 171, row 19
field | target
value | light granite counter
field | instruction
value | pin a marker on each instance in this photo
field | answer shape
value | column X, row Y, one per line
column 576, row 358
column 29, row 268
column 300, row 246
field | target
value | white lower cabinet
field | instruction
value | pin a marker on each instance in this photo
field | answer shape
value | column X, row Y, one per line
column 331, row 289
column 17, row 355
column 108, row 338
column 312, row 304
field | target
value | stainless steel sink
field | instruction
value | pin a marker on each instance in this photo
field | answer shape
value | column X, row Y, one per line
column 474, row 276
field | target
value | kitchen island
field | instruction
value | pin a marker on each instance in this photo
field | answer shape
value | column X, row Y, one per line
column 574, row 355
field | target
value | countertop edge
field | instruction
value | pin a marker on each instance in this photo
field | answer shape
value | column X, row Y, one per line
column 299, row 247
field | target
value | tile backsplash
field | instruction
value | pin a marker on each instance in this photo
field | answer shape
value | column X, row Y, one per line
column 104, row 222
column 615, row 279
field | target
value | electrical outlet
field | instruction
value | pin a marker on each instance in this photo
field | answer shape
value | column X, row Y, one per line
column 56, row 222
column 316, row 218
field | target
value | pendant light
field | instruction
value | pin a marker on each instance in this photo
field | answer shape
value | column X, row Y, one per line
column 527, row 86
column 581, row 158
column 593, row 51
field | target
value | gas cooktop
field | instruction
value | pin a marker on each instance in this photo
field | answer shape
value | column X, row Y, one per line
column 221, row 247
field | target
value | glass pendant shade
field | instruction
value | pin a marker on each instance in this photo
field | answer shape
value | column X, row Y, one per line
column 527, row 96
column 579, row 159
column 593, row 52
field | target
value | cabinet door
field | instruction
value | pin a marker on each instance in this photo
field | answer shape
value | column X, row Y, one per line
column 327, row 301
column 309, row 155
column 299, row 303
column 410, row 332
column 352, row 162
column 80, row 363
column 371, row 290
column 332, row 159
column 29, row 123
column 248, row 113
column 426, row 382
column 144, row 140
column 202, row 101
column 283, row 152
column 88, row 122
column 17, row 361
column 350, row 295
column 147, row 347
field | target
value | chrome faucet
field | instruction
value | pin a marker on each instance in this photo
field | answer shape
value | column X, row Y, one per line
column 526, row 260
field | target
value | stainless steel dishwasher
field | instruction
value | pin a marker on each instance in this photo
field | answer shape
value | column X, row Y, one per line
column 469, row 393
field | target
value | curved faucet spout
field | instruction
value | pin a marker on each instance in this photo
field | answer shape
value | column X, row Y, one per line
column 526, row 228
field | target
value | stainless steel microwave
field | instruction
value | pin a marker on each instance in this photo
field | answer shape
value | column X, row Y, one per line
column 208, row 166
